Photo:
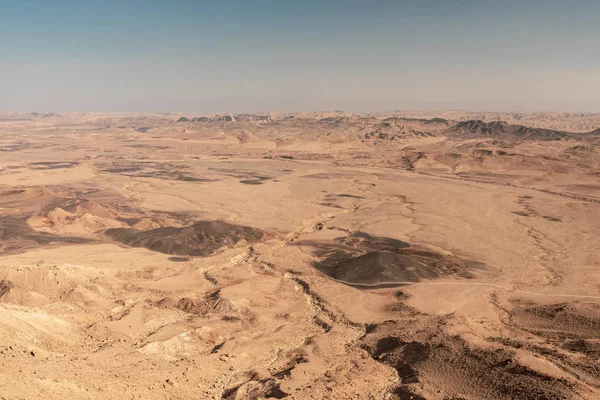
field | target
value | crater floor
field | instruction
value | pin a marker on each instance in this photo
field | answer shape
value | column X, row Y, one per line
column 304, row 256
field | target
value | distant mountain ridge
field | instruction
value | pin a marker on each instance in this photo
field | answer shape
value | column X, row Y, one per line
column 392, row 128
column 501, row 129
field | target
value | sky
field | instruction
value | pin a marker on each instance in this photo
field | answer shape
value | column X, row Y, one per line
column 302, row 55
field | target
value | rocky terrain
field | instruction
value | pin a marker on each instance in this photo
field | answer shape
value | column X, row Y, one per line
column 326, row 255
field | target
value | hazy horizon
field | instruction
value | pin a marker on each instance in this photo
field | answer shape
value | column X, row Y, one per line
column 258, row 112
column 194, row 56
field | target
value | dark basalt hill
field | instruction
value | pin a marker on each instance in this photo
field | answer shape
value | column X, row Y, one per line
column 200, row 239
column 389, row 267
column 360, row 259
column 17, row 236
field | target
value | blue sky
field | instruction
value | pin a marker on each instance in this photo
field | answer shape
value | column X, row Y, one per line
column 253, row 56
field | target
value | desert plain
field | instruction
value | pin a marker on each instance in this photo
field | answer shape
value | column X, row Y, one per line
column 405, row 255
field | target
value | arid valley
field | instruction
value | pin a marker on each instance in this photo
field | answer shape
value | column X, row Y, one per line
column 399, row 255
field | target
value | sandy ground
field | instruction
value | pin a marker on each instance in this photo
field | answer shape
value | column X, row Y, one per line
column 316, row 256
